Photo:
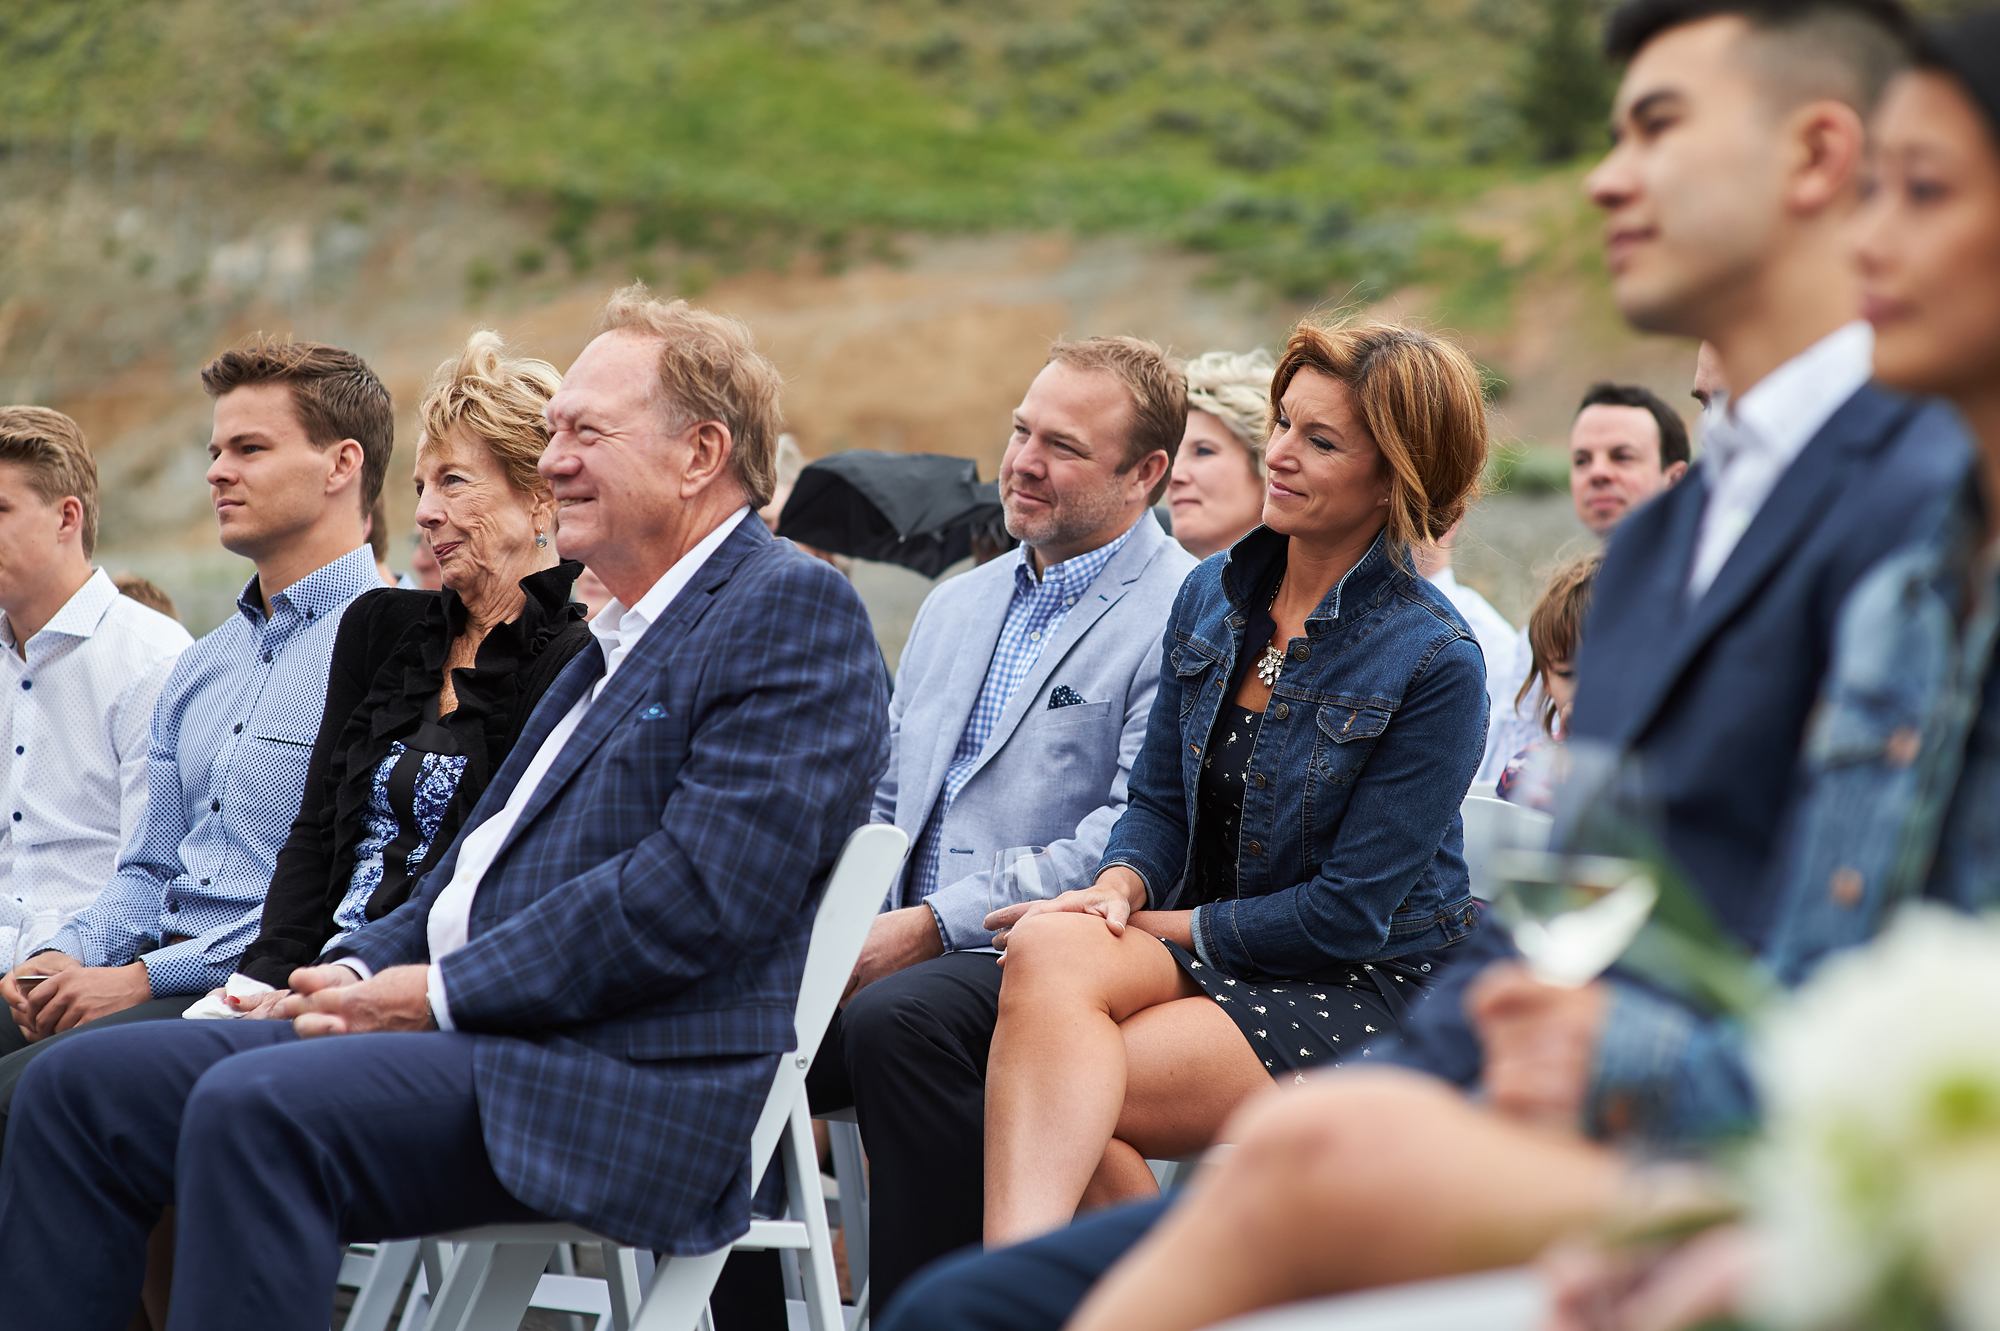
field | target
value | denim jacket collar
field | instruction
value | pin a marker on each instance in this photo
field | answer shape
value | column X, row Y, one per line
column 1249, row 564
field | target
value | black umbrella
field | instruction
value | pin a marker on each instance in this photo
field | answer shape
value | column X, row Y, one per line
column 920, row 510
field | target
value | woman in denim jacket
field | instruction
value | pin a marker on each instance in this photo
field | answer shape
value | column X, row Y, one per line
column 1293, row 835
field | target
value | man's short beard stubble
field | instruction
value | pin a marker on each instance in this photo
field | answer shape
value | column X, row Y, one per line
column 1070, row 518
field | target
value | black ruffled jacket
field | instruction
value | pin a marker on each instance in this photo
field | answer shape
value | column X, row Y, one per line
column 388, row 664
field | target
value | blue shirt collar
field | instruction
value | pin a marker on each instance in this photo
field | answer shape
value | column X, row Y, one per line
column 1074, row 573
column 322, row 592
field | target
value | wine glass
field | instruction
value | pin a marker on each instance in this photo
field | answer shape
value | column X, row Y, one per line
column 1571, row 916
column 1020, row 873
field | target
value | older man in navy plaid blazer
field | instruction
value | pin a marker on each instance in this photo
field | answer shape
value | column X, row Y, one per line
column 611, row 950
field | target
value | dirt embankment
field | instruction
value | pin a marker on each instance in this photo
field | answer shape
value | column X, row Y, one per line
column 116, row 285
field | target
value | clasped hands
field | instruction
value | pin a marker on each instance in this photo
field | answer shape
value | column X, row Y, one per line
column 74, row 993
column 333, row 1000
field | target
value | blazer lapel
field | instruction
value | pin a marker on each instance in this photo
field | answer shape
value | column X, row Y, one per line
column 640, row 668
column 1802, row 493
column 1105, row 591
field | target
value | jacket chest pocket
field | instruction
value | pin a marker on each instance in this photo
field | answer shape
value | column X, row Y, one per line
column 1193, row 671
column 1346, row 736
column 1852, row 728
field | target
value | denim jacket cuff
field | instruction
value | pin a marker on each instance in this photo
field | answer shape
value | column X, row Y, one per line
column 1197, row 928
column 1152, row 901
column 1664, row 1075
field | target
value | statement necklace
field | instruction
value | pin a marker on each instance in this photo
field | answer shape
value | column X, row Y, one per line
column 1272, row 662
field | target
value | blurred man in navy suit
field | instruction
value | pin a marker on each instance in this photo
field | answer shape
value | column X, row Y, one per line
column 577, row 1015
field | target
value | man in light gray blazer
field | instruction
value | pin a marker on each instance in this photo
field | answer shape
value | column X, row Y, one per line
column 1020, row 705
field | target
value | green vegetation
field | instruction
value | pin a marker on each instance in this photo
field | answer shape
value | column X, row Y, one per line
column 1317, row 145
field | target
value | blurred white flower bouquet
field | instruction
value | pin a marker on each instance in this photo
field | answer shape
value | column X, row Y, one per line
column 1875, row 1186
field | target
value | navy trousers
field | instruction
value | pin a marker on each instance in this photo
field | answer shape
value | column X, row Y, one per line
column 1032, row 1286
column 275, row 1151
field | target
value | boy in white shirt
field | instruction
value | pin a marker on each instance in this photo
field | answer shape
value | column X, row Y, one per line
column 80, row 668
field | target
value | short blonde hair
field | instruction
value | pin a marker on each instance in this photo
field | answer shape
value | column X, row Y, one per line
column 51, row 448
column 1420, row 398
column 1235, row 388
column 499, row 400
column 710, row 370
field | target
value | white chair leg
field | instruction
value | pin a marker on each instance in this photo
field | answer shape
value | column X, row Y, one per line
column 488, row 1287
column 627, row 1272
column 850, row 1166
column 678, row 1300
column 801, row 1164
column 375, row 1301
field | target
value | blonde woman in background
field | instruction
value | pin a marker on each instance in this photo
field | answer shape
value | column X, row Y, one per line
column 1217, row 490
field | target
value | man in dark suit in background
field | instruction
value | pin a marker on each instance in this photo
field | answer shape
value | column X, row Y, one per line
column 578, row 1013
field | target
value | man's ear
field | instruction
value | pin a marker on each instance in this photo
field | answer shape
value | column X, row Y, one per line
column 1675, row 472
column 1829, row 139
column 70, row 526
column 344, row 467
column 710, row 445
column 1150, row 469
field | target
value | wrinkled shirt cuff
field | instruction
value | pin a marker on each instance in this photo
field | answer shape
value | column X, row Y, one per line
column 440, row 1006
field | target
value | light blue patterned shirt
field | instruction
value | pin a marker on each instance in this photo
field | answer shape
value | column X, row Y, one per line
column 1035, row 613
column 226, row 767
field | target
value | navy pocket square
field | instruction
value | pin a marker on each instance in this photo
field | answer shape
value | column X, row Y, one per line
column 1065, row 696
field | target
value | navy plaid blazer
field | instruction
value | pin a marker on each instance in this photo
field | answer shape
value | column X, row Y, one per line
column 636, row 948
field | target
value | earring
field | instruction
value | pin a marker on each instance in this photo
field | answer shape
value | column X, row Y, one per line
column 541, row 541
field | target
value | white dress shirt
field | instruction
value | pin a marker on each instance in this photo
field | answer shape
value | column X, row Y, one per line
column 73, row 741
column 1750, row 441
column 618, row 631
column 1506, row 651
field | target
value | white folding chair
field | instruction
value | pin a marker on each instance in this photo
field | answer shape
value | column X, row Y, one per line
column 1494, row 825
column 495, row 1271
column 1512, row 1299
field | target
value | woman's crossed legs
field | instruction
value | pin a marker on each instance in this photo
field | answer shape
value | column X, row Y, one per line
column 1104, row 1054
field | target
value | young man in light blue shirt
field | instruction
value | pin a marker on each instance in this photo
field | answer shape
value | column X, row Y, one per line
column 301, row 444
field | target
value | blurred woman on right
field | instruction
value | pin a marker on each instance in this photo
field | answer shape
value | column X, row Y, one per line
column 1216, row 493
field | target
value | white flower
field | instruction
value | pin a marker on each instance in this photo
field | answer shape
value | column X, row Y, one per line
column 1880, row 1082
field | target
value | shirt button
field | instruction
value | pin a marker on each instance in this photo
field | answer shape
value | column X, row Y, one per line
column 215, row 806
column 239, row 727
column 267, row 658
column 27, row 683
column 204, row 882
column 1281, row 711
column 1299, row 653
column 17, row 815
column 173, row 908
column 1257, row 780
column 1254, row 847
column 19, row 749
column 1036, row 636
column 309, row 614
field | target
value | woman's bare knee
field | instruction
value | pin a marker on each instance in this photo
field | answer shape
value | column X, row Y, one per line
column 1061, row 946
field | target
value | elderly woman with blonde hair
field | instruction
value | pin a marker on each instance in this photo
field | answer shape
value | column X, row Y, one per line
column 1216, row 493
column 429, row 690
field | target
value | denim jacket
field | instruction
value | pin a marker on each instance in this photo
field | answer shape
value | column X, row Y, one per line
column 1901, row 771
column 1350, row 847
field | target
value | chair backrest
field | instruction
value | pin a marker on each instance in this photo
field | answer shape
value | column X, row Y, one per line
column 855, row 891
column 1492, row 825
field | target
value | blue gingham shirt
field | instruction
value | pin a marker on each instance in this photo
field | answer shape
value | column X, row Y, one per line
column 1034, row 615
column 226, row 767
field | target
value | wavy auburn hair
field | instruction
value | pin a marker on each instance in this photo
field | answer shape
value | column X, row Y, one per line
column 1419, row 396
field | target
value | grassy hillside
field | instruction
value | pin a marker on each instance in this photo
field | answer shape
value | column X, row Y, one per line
column 1316, row 144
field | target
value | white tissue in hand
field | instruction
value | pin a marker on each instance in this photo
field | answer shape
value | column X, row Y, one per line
column 210, row 1007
